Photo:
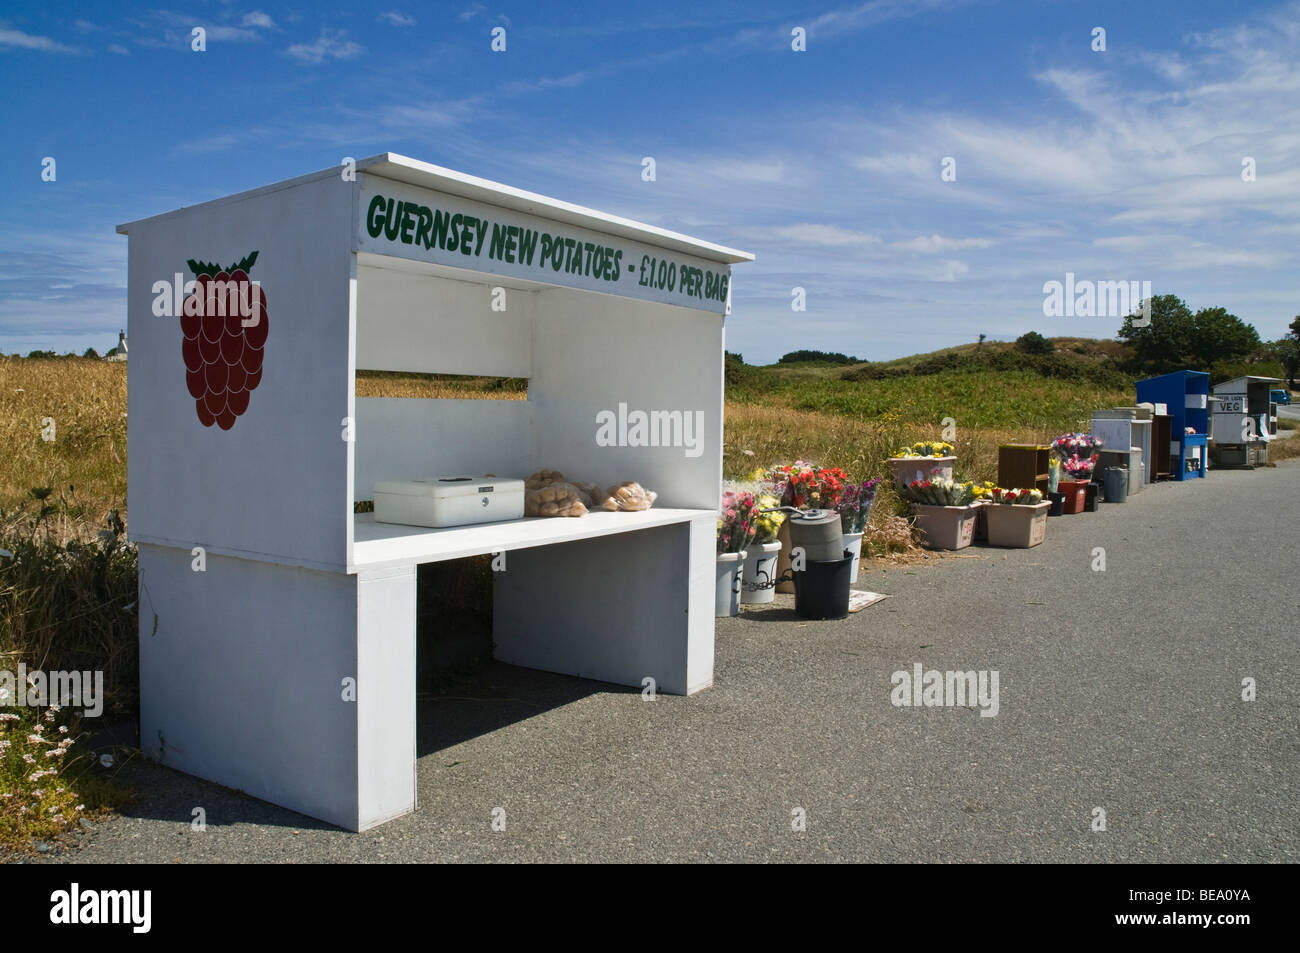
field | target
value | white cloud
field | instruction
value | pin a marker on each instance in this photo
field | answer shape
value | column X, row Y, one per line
column 937, row 243
column 330, row 45
column 812, row 234
column 910, row 164
column 259, row 19
column 864, row 15
column 229, row 34
column 17, row 39
column 397, row 19
column 952, row 270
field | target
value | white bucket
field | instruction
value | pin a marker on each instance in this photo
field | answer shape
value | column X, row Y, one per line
column 853, row 543
column 727, row 592
column 758, row 578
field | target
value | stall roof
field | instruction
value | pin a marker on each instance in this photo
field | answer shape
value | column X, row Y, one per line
column 1248, row 378
column 414, row 172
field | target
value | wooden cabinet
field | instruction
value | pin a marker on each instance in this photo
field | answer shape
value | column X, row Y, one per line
column 1023, row 466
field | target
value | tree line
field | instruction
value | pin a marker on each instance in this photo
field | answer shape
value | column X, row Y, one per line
column 1211, row 339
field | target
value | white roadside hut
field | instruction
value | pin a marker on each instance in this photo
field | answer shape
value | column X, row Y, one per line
column 277, row 627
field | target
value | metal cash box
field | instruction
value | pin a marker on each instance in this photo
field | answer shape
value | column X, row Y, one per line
column 449, row 501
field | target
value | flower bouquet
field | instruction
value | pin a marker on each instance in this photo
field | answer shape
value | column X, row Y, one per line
column 910, row 463
column 939, row 491
column 1076, row 444
column 758, row 567
column 1014, row 497
column 1017, row 518
column 736, row 522
column 1078, row 468
column 855, row 505
column 735, row 531
column 924, row 448
column 808, row 486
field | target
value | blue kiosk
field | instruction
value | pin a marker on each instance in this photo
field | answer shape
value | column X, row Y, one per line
column 1186, row 394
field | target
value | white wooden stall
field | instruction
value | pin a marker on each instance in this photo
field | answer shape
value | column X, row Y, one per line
column 264, row 598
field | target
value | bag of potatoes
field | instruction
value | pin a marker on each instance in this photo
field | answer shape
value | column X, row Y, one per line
column 543, row 477
column 590, row 493
column 629, row 497
column 552, row 499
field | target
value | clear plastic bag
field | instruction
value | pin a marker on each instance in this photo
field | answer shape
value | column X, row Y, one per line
column 545, row 495
column 629, row 497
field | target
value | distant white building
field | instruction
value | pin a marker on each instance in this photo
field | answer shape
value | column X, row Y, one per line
column 118, row 353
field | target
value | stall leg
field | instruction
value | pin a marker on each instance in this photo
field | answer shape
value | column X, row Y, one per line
column 243, row 681
column 386, row 714
column 619, row 608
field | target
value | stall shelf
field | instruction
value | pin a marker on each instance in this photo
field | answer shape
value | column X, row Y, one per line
column 277, row 624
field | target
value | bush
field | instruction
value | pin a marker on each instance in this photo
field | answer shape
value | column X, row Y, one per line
column 70, row 604
column 1032, row 342
column 65, row 605
column 817, row 357
column 1222, row 371
column 744, row 379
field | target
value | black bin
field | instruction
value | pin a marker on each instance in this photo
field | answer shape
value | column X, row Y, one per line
column 821, row 591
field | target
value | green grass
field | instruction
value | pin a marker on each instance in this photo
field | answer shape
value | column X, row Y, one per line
column 974, row 398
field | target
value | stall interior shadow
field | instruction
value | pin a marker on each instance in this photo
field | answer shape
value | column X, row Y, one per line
column 462, row 692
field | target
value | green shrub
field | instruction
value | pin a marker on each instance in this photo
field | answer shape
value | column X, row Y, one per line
column 1222, row 371
column 1031, row 342
column 817, row 357
column 69, row 603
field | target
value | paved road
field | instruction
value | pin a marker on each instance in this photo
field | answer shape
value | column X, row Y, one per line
column 1119, row 690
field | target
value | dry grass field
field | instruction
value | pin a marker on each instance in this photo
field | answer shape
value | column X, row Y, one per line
column 63, row 426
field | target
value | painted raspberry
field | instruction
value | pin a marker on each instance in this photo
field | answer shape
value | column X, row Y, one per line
column 224, row 321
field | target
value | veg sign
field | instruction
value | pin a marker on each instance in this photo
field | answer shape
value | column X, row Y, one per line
column 417, row 224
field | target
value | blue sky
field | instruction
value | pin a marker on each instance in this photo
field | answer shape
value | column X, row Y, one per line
column 1117, row 165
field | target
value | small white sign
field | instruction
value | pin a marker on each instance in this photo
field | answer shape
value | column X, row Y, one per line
column 1232, row 404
